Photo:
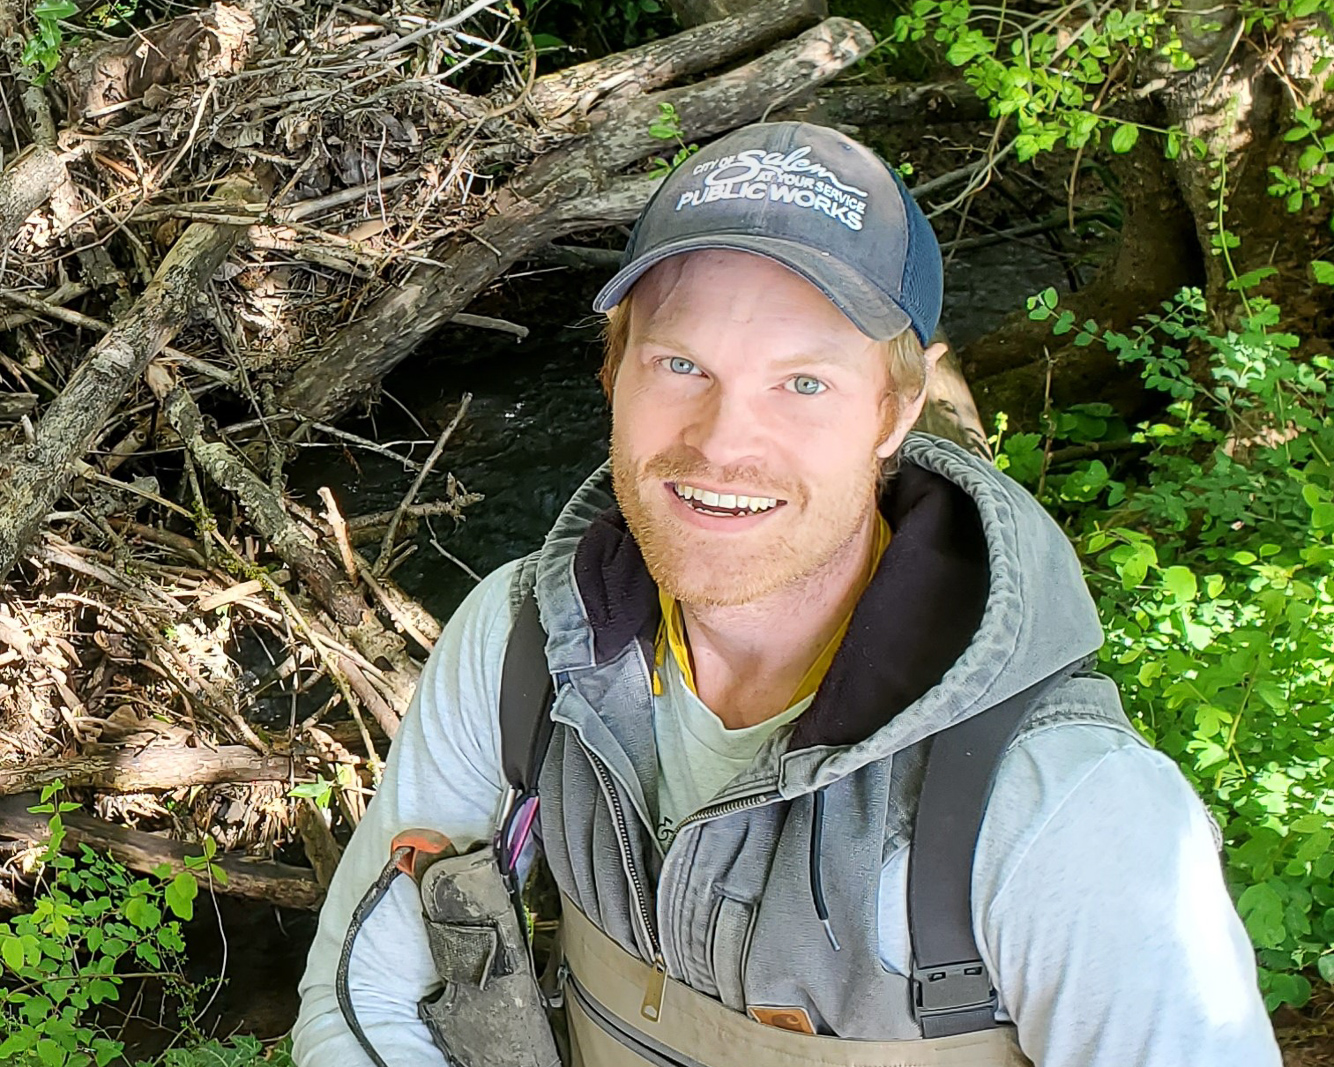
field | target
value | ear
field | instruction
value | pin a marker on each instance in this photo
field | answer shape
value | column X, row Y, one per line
column 910, row 411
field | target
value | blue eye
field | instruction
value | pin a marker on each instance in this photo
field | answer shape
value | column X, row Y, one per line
column 681, row 365
column 806, row 385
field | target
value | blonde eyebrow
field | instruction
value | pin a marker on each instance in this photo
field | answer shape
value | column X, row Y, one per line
column 807, row 359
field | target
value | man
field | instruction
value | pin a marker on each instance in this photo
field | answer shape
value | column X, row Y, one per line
column 761, row 619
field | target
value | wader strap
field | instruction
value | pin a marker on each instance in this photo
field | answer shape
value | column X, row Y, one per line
column 605, row 991
column 525, row 729
column 952, row 991
column 525, row 699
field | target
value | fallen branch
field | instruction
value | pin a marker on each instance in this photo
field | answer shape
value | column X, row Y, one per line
column 264, row 880
column 321, row 848
column 25, row 185
column 387, row 546
column 573, row 92
column 264, row 507
column 124, row 769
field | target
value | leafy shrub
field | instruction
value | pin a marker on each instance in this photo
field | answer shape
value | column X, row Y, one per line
column 93, row 925
column 1211, row 556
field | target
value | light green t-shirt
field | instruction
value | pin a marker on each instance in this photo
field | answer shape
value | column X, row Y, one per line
column 697, row 754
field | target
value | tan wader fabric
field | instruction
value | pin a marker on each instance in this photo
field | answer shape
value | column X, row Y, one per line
column 697, row 1031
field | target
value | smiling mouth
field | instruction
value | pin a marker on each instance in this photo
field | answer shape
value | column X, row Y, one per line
column 707, row 502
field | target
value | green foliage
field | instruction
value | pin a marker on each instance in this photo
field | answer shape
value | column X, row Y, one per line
column 238, row 1051
column 92, row 926
column 1212, row 560
column 323, row 790
column 42, row 50
column 667, row 127
column 1051, row 79
column 1305, row 185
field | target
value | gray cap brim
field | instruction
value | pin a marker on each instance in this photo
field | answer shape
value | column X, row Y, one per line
column 870, row 310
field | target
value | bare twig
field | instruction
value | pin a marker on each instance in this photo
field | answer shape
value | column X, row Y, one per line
column 387, row 547
column 335, row 519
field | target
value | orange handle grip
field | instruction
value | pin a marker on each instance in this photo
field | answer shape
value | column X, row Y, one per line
column 423, row 848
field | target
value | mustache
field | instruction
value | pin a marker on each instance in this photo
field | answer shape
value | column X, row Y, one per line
column 683, row 464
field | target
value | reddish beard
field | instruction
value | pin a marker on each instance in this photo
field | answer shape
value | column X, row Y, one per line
column 719, row 570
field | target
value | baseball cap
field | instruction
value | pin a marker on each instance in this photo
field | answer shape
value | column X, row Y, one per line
column 812, row 199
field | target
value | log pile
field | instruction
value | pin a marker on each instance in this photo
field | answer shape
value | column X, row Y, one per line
column 265, row 208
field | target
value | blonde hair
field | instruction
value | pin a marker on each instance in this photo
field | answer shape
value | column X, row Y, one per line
column 905, row 354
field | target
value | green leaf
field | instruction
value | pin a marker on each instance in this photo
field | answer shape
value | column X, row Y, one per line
column 1123, row 140
column 142, row 913
column 1325, row 965
column 12, row 951
column 55, row 9
column 1181, row 584
column 50, row 1053
column 1324, row 271
column 180, row 895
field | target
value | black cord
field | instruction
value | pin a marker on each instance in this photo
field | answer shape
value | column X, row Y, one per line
column 817, row 879
column 363, row 910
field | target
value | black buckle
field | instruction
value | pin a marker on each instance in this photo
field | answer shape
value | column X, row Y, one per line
column 953, row 989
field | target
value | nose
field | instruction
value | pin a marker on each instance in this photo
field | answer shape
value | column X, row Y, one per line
column 726, row 429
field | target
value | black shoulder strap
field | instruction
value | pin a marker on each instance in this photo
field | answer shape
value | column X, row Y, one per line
column 525, row 700
column 952, row 991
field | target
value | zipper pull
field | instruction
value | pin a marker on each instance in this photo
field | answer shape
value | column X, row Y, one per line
column 651, row 1009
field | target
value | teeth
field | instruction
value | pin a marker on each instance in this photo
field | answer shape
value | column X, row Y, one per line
column 728, row 501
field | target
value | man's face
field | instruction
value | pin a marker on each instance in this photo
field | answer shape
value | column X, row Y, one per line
column 749, row 418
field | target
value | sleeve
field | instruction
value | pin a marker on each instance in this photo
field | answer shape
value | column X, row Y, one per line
column 443, row 773
column 1100, row 906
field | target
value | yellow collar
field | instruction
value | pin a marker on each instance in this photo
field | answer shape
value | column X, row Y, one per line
column 672, row 634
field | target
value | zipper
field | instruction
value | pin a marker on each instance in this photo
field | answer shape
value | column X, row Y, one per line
column 651, row 1008
column 729, row 807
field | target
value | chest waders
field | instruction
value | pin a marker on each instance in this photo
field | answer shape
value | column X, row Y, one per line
column 623, row 1012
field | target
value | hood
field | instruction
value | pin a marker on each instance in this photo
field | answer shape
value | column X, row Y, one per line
column 978, row 596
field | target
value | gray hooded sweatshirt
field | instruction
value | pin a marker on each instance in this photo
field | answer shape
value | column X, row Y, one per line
column 1098, row 902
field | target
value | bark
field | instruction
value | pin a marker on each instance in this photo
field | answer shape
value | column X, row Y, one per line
column 25, row 185
column 126, row 769
column 33, row 477
column 570, row 189
column 261, row 880
column 950, row 410
column 575, row 91
column 197, row 47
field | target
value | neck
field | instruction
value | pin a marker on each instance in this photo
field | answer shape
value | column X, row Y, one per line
column 748, row 659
